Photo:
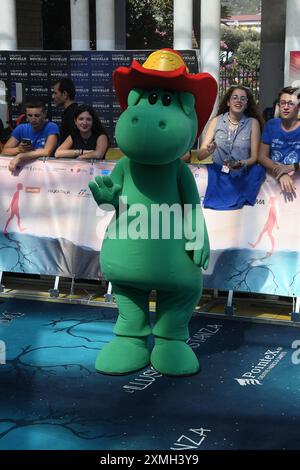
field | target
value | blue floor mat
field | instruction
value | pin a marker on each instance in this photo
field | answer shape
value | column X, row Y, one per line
column 245, row 397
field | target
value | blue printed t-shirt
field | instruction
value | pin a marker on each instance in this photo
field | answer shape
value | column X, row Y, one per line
column 284, row 146
column 38, row 138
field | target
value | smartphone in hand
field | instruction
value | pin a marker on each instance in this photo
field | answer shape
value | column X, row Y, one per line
column 235, row 164
column 26, row 142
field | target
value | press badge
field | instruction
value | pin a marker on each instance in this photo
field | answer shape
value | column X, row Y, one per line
column 225, row 169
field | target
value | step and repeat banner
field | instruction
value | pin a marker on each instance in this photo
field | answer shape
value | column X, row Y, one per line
column 34, row 72
column 50, row 225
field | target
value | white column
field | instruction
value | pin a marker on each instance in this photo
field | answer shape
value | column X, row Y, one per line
column 105, row 25
column 80, row 25
column 292, row 35
column 8, row 25
column 210, row 39
column 183, row 24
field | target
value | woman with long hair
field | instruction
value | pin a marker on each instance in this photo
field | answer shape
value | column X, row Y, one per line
column 88, row 139
column 232, row 139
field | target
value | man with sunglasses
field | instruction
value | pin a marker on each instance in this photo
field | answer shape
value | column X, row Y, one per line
column 280, row 146
column 38, row 138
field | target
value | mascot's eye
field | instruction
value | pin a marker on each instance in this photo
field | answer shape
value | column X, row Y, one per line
column 166, row 100
column 152, row 98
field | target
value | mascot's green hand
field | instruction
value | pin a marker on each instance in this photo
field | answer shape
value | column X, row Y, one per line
column 105, row 191
column 201, row 256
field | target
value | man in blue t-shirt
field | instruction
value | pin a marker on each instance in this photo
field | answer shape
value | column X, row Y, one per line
column 38, row 138
column 280, row 146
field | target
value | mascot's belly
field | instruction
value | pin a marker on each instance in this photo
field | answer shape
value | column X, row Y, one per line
column 155, row 263
column 158, row 264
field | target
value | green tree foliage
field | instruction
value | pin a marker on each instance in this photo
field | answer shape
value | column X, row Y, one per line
column 232, row 38
column 243, row 7
column 149, row 24
column 252, row 35
column 248, row 55
column 225, row 11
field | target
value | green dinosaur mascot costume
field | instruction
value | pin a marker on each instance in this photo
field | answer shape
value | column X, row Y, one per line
column 157, row 239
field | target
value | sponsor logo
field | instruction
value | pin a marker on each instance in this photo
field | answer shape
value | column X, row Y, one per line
column 82, row 90
column 34, row 168
column 104, row 121
column 8, row 317
column 191, row 440
column 96, row 58
column 248, row 382
column 38, row 73
column 100, row 89
column 56, row 119
column 202, row 335
column 58, row 73
column 37, row 58
column 18, row 73
column 17, row 58
column 79, row 74
column 100, row 74
column 259, row 370
column 143, row 381
column 78, row 170
column 78, row 58
column 58, row 58
column 33, row 189
column 120, row 57
column 39, row 89
column 296, row 354
column 2, row 353
column 83, row 193
column 58, row 191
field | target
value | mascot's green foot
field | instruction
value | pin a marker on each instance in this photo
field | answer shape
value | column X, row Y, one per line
column 123, row 355
column 173, row 357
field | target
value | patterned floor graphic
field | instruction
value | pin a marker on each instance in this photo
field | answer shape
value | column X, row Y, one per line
column 245, row 397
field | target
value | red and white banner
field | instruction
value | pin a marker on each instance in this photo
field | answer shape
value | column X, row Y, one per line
column 50, row 224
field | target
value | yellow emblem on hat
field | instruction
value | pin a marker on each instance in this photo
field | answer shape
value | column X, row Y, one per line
column 165, row 60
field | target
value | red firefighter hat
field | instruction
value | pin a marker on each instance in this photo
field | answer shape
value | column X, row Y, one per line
column 166, row 69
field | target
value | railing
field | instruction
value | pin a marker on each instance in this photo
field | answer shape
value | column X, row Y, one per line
column 233, row 75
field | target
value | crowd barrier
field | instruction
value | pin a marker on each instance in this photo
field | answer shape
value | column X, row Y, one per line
column 50, row 225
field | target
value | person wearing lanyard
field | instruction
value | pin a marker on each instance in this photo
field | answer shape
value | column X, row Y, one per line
column 232, row 139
